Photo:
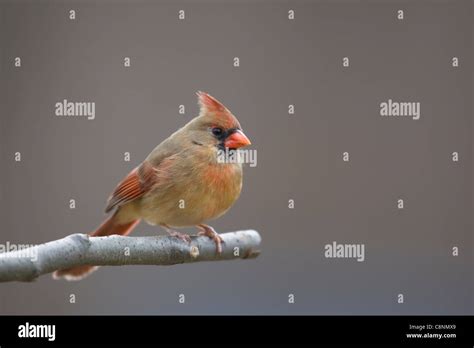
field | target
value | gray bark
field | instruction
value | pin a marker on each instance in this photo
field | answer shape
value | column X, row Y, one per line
column 80, row 249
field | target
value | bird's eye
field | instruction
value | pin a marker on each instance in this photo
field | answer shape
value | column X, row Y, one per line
column 217, row 131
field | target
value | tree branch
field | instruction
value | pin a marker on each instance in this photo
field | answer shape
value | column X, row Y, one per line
column 80, row 249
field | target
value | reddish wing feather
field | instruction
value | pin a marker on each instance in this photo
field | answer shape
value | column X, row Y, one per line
column 135, row 184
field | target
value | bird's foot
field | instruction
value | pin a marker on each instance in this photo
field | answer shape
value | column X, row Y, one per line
column 182, row 236
column 208, row 231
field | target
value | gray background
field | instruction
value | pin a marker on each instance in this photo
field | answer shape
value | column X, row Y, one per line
column 299, row 157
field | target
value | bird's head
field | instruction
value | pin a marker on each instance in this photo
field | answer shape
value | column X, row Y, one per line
column 216, row 126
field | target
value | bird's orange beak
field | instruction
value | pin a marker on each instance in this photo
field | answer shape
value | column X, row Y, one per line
column 236, row 140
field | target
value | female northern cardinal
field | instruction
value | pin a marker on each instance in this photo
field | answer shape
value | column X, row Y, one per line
column 180, row 183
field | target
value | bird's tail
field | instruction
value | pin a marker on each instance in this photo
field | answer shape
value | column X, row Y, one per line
column 107, row 228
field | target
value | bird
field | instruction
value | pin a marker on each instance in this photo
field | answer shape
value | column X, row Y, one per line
column 182, row 171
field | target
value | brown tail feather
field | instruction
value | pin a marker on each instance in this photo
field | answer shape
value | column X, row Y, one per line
column 108, row 227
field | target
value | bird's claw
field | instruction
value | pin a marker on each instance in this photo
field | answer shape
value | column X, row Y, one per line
column 211, row 233
column 182, row 236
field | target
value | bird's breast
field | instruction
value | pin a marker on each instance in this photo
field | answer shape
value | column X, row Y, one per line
column 203, row 193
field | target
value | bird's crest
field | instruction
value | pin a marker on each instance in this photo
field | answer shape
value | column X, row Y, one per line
column 210, row 106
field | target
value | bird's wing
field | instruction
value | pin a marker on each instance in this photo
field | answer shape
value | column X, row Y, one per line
column 136, row 183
